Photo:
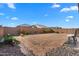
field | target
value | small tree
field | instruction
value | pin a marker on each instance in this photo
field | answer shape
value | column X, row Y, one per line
column 28, row 32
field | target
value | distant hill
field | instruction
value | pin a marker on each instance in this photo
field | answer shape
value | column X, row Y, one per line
column 56, row 27
column 26, row 25
column 39, row 26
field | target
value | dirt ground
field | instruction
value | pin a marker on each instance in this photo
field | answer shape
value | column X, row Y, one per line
column 40, row 44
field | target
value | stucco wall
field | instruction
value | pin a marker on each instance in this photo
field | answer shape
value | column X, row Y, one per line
column 10, row 30
column 1, row 31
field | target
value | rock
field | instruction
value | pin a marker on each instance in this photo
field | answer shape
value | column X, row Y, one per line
column 1, row 40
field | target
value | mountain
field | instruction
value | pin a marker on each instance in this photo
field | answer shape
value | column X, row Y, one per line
column 26, row 25
column 56, row 27
column 39, row 26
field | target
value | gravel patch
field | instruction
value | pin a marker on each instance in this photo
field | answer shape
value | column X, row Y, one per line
column 8, row 50
column 64, row 50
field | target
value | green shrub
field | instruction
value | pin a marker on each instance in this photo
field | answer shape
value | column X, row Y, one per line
column 48, row 30
column 28, row 32
column 24, row 32
column 9, row 39
column 21, row 32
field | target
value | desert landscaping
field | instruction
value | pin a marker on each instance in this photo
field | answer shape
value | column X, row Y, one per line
column 30, row 41
column 39, row 29
column 51, row 44
column 38, row 44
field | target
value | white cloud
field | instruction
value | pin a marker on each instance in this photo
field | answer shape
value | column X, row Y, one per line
column 65, row 10
column 11, row 5
column 71, row 8
column 67, row 20
column 70, row 17
column 55, row 5
column 74, row 7
column 14, row 18
column 1, row 14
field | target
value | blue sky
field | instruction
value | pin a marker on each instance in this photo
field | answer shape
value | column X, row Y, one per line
column 49, row 14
